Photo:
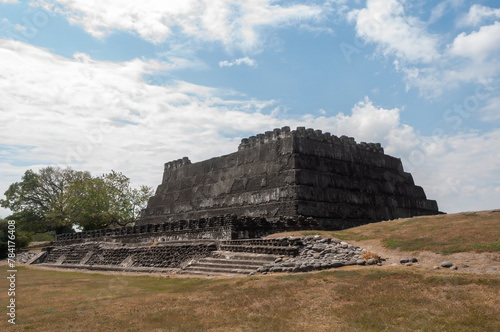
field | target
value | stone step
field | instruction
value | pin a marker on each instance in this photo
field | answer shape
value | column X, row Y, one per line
column 209, row 270
column 39, row 257
column 270, row 250
column 227, row 265
column 112, row 268
column 211, row 260
column 234, row 255
column 280, row 242
column 225, row 274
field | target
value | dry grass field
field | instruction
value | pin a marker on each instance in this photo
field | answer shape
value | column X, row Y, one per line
column 363, row 299
column 375, row 298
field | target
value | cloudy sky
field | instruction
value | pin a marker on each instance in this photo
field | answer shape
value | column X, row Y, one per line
column 130, row 85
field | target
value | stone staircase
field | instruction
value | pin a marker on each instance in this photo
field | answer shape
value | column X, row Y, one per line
column 229, row 263
column 241, row 257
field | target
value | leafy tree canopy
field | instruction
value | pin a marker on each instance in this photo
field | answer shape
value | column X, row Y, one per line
column 56, row 199
column 107, row 201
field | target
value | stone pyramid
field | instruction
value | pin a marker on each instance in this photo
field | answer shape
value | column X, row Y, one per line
column 289, row 173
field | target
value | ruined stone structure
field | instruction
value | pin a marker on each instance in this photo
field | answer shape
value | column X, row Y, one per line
column 209, row 217
column 174, row 245
column 230, row 227
column 289, row 173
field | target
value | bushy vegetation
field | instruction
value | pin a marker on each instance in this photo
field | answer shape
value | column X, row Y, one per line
column 56, row 200
column 22, row 238
column 43, row 237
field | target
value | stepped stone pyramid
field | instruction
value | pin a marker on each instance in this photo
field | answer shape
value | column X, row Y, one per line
column 284, row 172
column 209, row 217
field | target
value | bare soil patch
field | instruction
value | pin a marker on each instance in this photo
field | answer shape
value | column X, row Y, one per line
column 483, row 262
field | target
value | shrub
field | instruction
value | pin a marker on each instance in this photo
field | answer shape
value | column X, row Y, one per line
column 22, row 238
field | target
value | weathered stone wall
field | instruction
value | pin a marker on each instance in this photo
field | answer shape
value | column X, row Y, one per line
column 182, row 230
column 229, row 227
column 339, row 181
column 289, row 173
column 252, row 182
column 163, row 255
column 166, row 245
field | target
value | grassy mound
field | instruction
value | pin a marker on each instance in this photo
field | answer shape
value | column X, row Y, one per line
column 443, row 234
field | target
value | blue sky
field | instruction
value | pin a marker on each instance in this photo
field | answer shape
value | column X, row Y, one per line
column 101, row 85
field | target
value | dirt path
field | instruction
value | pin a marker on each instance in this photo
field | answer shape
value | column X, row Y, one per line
column 477, row 262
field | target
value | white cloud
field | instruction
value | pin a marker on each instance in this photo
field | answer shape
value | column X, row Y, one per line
column 241, row 61
column 19, row 27
column 97, row 116
column 317, row 30
column 477, row 45
column 442, row 8
column 491, row 111
column 9, row 1
column 472, row 57
column 101, row 115
column 368, row 122
column 234, row 24
column 462, row 173
column 438, row 11
column 478, row 13
column 423, row 58
column 448, row 74
column 385, row 23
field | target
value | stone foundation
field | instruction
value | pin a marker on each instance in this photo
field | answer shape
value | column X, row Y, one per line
column 103, row 254
column 228, row 227
column 168, row 245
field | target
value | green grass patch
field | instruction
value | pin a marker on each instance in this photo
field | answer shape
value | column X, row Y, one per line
column 350, row 235
column 339, row 274
column 412, row 244
column 307, row 233
column 488, row 247
column 42, row 237
column 452, row 249
column 50, row 311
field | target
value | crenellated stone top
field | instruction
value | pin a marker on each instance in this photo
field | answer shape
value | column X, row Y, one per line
column 177, row 163
column 285, row 132
column 310, row 133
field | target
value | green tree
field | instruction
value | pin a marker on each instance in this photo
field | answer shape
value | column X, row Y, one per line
column 56, row 199
column 41, row 201
column 107, row 201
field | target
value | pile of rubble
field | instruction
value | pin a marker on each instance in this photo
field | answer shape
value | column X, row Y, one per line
column 25, row 257
column 317, row 253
